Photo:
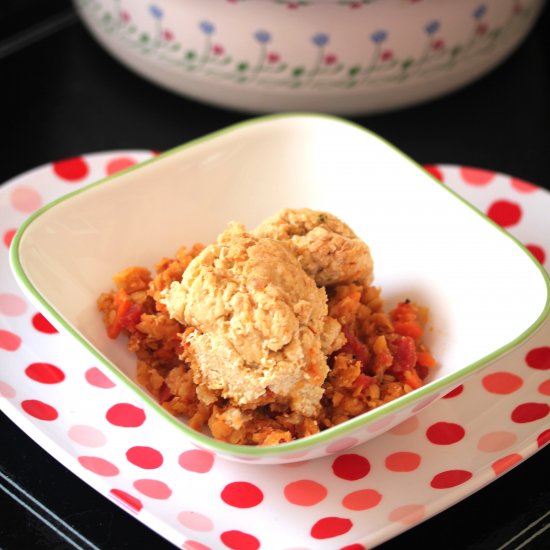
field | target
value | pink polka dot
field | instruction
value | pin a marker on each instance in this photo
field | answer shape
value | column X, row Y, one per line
column 305, row 492
column 8, row 236
column 502, row 383
column 402, row 461
column 242, row 494
column 196, row 521
column 39, row 409
column 125, row 415
column 523, row 186
column 153, row 488
column 238, row 540
column 350, row 467
column 406, row 427
column 196, row 460
column 409, row 514
column 127, row 500
column 537, row 251
column 543, row 438
column 330, row 527
column 45, row 373
column 342, row 445
column 505, row 463
column 544, row 387
column 453, row 393
column 98, row 466
column 496, row 441
column 362, row 499
column 381, row 424
column 445, row 433
column 6, row 390
column 96, row 378
column 434, row 171
column 539, row 358
column 145, row 457
column 72, row 169
column 41, row 324
column 25, row 199
column 475, row 176
column 450, row 478
column 9, row 341
column 194, row 545
column 118, row 164
column 530, row 412
column 12, row 305
column 424, row 403
column 87, row 436
column 504, row 213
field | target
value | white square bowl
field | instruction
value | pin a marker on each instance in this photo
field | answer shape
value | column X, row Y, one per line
column 485, row 292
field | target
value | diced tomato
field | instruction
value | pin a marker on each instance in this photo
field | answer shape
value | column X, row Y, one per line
column 422, row 371
column 409, row 328
column 404, row 354
column 355, row 346
column 363, row 381
column 132, row 317
column 165, row 394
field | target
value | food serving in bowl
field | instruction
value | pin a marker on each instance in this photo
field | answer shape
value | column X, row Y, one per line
column 485, row 293
column 269, row 336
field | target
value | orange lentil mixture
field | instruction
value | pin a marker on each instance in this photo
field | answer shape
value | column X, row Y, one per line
column 383, row 358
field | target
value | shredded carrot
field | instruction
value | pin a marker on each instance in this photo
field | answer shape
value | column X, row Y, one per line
column 411, row 378
column 123, row 304
column 409, row 328
column 425, row 359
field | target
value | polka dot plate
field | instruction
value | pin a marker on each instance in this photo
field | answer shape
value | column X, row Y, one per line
column 354, row 499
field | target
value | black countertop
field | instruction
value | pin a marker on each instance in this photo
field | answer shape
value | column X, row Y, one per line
column 62, row 95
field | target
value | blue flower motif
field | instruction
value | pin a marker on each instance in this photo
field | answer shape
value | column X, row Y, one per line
column 480, row 11
column 263, row 37
column 206, row 27
column 432, row 27
column 379, row 36
column 320, row 39
column 155, row 11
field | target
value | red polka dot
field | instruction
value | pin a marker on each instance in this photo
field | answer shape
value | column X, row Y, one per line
column 530, row 412
column 196, row 460
column 544, row 387
column 356, row 546
column 127, row 500
column 450, row 478
column 125, row 415
column 329, row 527
column 39, row 409
column 25, row 199
column 496, row 441
column 98, row 466
column 434, row 171
column 8, row 237
column 445, row 433
column 72, row 169
column 543, row 438
column 453, row 393
column 153, row 488
column 96, row 378
column 406, row 427
column 194, row 545
column 242, row 494
column 502, row 383
column 196, row 521
column 45, row 373
column 12, row 305
column 537, row 251
column 402, row 461
column 523, row 186
column 145, row 457
column 41, row 324
column 305, row 492
column 505, row 213
column 409, row 514
column 6, row 390
column 351, row 467
column 9, row 341
column 539, row 358
column 118, row 164
column 505, row 463
column 362, row 499
column 476, row 176
column 238, row 540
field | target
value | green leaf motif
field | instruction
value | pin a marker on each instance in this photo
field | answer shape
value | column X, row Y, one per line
column 407, row 63
column 242, row 66
column 354, row 71
column 298, row 71
column 190, row 55
column 144, row 38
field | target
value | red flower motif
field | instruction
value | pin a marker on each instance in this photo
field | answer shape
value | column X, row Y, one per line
column 218, row 49
column 386, row 55
column 167, row 35
column 481, row 29
column 293, row 5
column 330, row 59
column 517, row 9
column 438, row 44
column 355, row 5
column 124, row 16
column 273, row 57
